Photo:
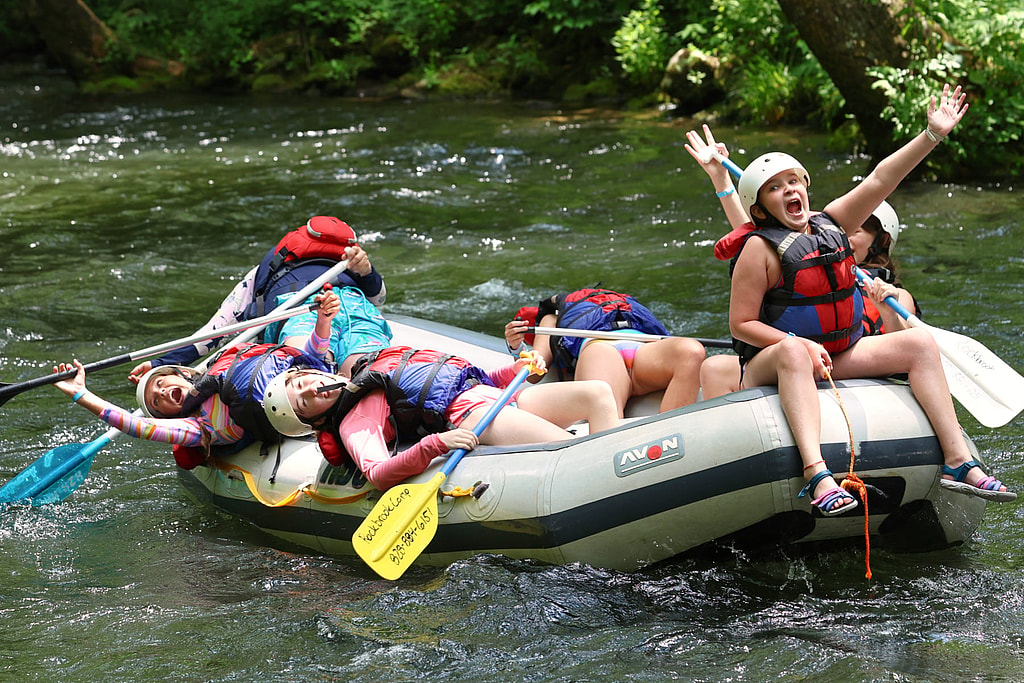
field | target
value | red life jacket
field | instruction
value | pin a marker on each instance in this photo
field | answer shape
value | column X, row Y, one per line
column 730, row 244
column 531, row 315
column 818, row 297
column 321, row 237
column 872, row 317
column 300, row 257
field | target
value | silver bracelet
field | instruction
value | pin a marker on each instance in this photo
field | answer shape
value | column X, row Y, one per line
column 934, row 137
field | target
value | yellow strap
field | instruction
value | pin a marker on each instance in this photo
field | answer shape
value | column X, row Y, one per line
column 250, row 483
column 458, row 492
column 328, row 500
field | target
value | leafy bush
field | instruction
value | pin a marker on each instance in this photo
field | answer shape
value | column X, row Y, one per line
column 642, row 45
column 768, row 70
column 987, row 59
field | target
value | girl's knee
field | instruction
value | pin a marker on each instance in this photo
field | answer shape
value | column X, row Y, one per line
column 594, row 388
column 693, row 352
column 792, row 354
column 686, row 349
column 924, row 342
column 596, row 393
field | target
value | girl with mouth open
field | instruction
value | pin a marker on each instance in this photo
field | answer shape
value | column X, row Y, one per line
column 164, row 392
column 795, row 312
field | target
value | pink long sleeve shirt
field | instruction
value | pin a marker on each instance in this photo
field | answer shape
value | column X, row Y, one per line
column 366, row 432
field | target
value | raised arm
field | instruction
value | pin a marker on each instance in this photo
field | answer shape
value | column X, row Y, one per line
column 854, row 207
column 703, row 151
column 365, row 277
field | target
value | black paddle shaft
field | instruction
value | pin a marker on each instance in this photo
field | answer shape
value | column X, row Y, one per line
column 9, row 391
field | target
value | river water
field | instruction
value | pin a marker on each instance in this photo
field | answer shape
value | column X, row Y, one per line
column 124, row 222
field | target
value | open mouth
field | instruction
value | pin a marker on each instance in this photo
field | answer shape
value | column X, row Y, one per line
column 176, row 395
column 794, row 207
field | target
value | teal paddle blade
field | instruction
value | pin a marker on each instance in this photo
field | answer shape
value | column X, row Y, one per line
column 53, row 476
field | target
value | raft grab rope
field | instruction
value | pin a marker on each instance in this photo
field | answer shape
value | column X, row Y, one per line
column 852, row 482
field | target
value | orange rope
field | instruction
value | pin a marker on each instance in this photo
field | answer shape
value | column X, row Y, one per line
column 852, row 482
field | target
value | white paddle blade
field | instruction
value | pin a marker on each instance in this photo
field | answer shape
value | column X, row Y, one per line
column 985, row 408
column 980, row 380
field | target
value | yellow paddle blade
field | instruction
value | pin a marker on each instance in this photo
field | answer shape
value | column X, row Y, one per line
column 399, row 527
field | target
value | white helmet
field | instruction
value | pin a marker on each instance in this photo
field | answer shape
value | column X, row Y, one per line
column 886, row 215
column 159, row 371
column 278, row 407
column 761, row 170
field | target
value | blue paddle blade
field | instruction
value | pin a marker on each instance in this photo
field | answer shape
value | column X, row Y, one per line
column 54, row 476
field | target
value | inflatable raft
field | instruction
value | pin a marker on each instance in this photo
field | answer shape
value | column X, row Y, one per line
column 720, row 472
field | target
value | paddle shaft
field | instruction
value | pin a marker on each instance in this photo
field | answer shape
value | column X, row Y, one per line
column 309, row 290
column 628, row 336
column 54, row 473
column 728, row 163
column 8, row 391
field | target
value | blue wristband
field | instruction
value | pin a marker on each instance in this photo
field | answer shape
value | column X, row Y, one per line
column 79, row 394
column 725, row 193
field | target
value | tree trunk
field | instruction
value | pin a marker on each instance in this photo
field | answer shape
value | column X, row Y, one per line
column 74, row 36
column 847, row 38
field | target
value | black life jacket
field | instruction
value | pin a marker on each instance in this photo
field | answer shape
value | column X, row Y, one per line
column 418, row 385
column 818, row 297
column 239, row 375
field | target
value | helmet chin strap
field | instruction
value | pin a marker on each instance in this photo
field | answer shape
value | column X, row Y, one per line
column 874, row 249
column 769, row 222
column 331, row 387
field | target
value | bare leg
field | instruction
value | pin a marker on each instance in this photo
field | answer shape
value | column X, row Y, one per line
column 670, row 364
column 788, row 365
column 599, row 361
column 546, row 409
column 565, row 403
column 719, row 375
column 514, row 426
column 914, row 352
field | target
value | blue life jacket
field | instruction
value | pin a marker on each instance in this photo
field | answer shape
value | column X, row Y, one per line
column 418, row 385
column 598, row 310
column 240, row 375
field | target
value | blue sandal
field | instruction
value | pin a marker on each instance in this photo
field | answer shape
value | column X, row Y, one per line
column 987, row 487
column 826, row 502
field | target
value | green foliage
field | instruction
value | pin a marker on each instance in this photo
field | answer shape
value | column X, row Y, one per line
column 769, row 72
column 521, row 59
column 987, row 60
column 552, row 47
column 642, row 45
column 577, row 15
